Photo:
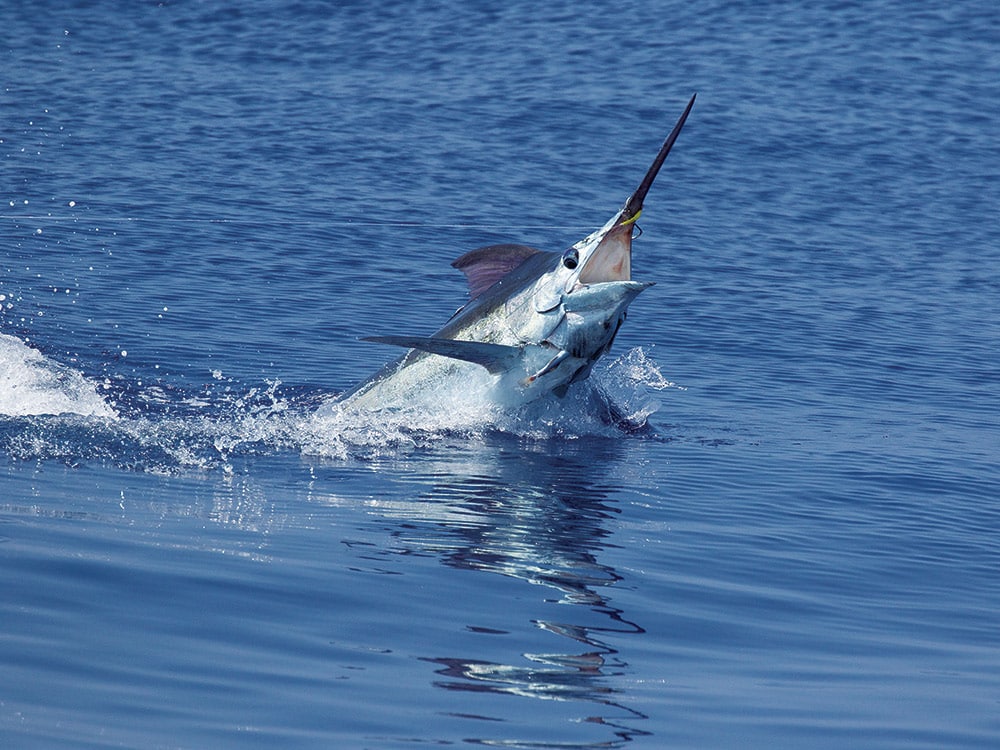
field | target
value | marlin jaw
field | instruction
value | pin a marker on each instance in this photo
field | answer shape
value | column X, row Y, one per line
column 537, row 320
column 608, row 251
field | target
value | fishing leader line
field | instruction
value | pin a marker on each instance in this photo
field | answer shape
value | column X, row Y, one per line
column 310, row 222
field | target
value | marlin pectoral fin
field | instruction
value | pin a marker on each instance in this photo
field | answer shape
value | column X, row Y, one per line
column 549, row 366
column 496, row 358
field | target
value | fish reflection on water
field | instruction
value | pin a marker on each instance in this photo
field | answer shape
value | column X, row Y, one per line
column 538, row 518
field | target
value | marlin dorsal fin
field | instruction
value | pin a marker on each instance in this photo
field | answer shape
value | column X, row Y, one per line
column 496, row 358
column 487, row 265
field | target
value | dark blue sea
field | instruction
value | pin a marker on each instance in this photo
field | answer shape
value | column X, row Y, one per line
column 204, row 206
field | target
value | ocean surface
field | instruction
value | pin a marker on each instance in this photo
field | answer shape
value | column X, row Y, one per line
column 204, row 206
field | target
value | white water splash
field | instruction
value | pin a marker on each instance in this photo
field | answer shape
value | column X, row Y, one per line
column 632, row 383
column 31, row 384
column 166, row 431
column 620, row 395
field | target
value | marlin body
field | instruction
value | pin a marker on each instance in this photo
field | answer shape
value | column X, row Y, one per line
column 535, row 324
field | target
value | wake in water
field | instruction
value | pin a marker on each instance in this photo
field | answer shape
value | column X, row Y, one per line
column 51, row 411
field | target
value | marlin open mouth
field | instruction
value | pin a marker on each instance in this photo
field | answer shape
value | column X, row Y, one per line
column 607, row 253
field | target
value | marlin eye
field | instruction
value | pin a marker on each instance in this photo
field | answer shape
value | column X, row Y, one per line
column 571, row 259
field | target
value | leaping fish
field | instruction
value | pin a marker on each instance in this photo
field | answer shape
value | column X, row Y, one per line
column 536, row 321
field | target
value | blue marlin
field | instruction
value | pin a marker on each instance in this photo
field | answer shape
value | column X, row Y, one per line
column 536, row 322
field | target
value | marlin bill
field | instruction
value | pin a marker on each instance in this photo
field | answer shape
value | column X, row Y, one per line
column 535, row 323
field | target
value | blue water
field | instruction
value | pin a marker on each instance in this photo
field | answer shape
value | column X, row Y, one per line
column 203, row 208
